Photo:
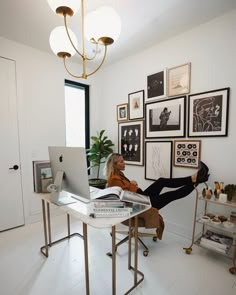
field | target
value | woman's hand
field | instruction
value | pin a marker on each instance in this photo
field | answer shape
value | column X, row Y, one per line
column 134, row 182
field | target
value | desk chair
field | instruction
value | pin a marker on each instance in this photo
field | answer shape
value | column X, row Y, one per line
column 149, row 219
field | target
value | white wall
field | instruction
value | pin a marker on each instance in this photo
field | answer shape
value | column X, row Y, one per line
column 40, row 97
column 40, row 92
column 211, row 50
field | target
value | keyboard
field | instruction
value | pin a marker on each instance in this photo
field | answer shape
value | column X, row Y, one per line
column 110, row 214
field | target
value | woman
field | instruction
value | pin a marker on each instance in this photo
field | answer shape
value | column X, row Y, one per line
column 185, row 185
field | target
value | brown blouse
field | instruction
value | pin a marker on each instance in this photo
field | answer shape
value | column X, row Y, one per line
column 121, row 181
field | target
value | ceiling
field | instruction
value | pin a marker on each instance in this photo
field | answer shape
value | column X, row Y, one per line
column 144, row 22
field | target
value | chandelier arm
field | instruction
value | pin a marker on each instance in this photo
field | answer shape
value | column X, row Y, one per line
column 68, row 34
column 104, row 56
column 95, row 53
column 64, row 61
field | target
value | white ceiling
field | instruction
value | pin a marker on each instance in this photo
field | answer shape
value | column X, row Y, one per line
column 144, row 22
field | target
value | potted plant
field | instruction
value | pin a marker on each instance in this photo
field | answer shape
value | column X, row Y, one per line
column 99, row 150
column 230, row 190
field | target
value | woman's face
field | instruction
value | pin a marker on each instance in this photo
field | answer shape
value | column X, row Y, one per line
column 120, row 165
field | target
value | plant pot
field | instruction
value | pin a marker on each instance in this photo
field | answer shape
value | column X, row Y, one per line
column 98, row 182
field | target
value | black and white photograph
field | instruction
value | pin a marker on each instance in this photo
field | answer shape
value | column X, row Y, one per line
column 156, row 86
column 187, row 153
column 178, row 80
column 208, row 113
column 158, row 159
column 166, row 118
column 122, row 112
column 136, row 105
column 131, row 142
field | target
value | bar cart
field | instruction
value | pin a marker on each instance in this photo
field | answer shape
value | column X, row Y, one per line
column 204, row 225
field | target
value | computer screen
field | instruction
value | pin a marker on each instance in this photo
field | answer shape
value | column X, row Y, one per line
column 70, row 164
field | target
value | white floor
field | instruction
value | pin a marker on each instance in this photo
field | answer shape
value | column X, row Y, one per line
column 168, row 270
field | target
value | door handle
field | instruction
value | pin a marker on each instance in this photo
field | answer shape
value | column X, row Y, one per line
column 15, row 167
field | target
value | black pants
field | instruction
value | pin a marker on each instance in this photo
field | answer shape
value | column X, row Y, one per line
column 184, row 185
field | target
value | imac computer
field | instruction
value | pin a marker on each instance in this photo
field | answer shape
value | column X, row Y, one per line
column 70, row 175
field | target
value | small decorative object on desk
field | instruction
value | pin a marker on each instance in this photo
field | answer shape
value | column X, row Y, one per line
column 207, row 192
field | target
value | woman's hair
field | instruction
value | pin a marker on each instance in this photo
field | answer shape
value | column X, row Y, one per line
column 110, row 166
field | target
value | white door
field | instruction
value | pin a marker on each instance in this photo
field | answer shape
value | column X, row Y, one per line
column 11, row 204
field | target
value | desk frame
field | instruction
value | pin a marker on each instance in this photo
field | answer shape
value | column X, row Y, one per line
column 48, row 243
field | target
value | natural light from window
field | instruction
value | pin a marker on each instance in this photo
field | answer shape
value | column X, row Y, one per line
column 75, row 116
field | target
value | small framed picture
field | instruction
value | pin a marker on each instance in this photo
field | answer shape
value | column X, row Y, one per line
column 158, row 159
column 122, row 112
column 136, row 105
column 156, row 86
column 166, row 118
column 130, row 142
column 178, row 80
column 187, row 153
column 208, row 113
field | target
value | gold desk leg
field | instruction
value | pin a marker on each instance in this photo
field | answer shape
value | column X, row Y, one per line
column 129, row 244
column 85, row 234
column 113, row 260
column 47, row 230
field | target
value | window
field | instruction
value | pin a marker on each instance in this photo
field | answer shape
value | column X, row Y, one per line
column 77, row 114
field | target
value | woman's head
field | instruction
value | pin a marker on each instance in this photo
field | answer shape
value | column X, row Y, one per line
column 114, row 164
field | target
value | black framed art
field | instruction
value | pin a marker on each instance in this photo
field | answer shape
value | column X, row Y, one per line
column 158, row 159
column 208, row 113
column 156, row 86
column 136, row 105
column 166, row 118
column 130, row 142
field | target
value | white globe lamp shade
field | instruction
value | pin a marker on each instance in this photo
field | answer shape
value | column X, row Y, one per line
column 60, row 43
column 103, row 22
column 74, row 5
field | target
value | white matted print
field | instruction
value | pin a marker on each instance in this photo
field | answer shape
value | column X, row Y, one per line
column 166, row 118
column 178, row 80
column 158, row 159
column 136, row 105
column 187, row 153
column 122, row 112
column 156, row 86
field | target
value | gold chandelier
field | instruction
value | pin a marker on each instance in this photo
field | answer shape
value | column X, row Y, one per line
column 102, row 28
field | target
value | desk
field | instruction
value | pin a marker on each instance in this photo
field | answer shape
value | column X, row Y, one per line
column 81, row 211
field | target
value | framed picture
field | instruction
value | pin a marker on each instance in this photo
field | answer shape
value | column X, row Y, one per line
column 130, row 144
column 156, row 86
column 122, row 112
column 187, row 153
column 42, row 176
column 178, row 80
column 166, row 118
column 136, row 102
column 158, row 159
column 208, row 113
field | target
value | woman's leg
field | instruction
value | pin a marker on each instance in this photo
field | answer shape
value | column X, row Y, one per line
column 160, row 201
column 156, row 187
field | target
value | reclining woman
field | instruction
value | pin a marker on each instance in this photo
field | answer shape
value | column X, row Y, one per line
column 184, row 185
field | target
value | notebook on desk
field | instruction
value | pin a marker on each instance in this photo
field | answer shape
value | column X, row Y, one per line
column 70, row 175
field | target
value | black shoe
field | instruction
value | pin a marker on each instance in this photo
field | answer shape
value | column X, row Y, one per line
column 202, row 174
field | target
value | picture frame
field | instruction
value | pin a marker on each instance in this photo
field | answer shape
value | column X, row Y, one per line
column 166, row 118
column 130, row 142
column 178, row 80
column 187, row 153
column 208, row 113
column 42, row 176
column 122, row 112
column 158, row 159
column 136, row 105
column 156, row 86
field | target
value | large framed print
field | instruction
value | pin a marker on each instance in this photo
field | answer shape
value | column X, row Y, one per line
column 158, row 159
column 136, row 105
column 187, row 153
column 208, row 113
column 156, row 86
column 166, row 118
column 178, row 80
column 130, row 142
